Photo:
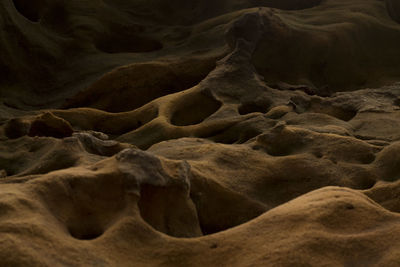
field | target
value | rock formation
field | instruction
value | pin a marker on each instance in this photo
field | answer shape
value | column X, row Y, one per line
column 199, row 133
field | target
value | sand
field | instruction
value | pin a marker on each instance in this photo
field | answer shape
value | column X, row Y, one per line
column 200, row 133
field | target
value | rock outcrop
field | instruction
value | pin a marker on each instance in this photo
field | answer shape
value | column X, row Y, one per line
column 193, row 133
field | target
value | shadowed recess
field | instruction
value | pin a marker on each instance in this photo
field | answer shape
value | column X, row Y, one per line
column 194, row 109
column 29, row 8
column 87, row 231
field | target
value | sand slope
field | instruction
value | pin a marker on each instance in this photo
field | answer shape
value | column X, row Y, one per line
column 194, row 133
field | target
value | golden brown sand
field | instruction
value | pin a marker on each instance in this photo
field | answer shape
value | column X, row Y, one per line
column 199, row 133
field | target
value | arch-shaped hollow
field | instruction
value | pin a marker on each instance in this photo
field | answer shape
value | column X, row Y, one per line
column 30, row 9
column 87, row 231
column 193, row 109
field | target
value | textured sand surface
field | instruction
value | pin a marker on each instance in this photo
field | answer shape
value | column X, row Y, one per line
column 199, row 133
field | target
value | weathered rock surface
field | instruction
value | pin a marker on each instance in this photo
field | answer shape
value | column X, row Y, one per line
column 199, row 133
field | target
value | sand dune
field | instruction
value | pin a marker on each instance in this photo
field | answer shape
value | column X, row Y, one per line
column 193, row 133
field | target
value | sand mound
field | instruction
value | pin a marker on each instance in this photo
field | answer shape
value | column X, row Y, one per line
column 192, row 133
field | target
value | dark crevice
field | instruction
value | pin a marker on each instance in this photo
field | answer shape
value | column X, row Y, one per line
column 368, row 158
column 366, row 184
column 194, row 110
column 88, row 233
column 341, row 114
column 292, row 4
column 302, row 105
column 252, row 107
column 16, row 128
column 28, row 8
